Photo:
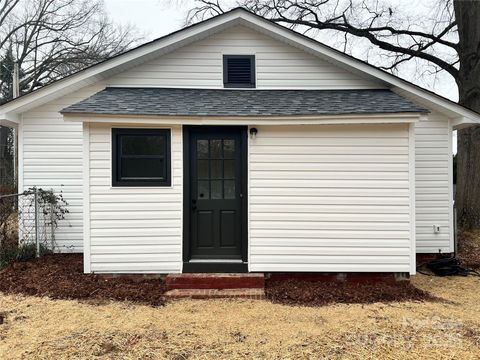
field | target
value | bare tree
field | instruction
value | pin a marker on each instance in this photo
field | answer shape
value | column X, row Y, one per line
column 53, row 38
column 446, row 39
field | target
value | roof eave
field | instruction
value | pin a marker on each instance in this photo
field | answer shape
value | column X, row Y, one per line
column 451, row 109
column 207, row 27
column 463, row 122
column 363, row 118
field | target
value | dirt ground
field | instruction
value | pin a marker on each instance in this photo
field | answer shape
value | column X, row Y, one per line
column 41, row 328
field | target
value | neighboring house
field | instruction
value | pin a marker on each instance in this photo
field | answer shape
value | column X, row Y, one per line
column 237, row 144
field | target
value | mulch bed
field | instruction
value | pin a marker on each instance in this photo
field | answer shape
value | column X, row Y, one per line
column 61, row 276
column 320, row 293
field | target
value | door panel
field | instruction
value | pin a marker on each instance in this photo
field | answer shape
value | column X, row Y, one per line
column 227, row 228
column 204, row 229
column 215, row 183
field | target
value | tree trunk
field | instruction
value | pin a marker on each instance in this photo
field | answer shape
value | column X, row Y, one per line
column 467, row 198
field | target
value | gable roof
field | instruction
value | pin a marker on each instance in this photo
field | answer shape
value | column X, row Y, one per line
column 237, row 16
column 211, row 102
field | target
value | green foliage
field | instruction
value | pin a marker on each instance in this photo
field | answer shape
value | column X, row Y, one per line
column 49, row 201
column 51, row 205
column 24, row 252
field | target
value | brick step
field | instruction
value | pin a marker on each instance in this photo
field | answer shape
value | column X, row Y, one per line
column 215, row 281
column 249, row 293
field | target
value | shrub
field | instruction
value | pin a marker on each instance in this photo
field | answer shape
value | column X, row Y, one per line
column 24, row 252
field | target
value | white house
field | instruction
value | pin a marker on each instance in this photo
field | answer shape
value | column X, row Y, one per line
column 239, row 145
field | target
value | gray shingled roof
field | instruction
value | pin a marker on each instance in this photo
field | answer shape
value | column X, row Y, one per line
column 223, row 102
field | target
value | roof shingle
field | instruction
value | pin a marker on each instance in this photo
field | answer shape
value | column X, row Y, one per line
column 223, row 102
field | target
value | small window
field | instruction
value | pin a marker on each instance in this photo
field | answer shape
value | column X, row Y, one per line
column 141, row 157
column 239, row 71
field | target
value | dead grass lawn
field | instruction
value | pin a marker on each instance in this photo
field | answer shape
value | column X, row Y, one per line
column 41, row 328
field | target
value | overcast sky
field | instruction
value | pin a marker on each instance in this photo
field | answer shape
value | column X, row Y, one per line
column 155, row 18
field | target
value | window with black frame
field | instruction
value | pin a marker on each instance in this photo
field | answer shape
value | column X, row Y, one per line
column 141, row 157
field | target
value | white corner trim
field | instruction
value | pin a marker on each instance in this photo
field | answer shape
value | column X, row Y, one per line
column 249, row 197
column 86, row 199
column 450, row 187
column 182, row 186
column 411, row 176
column 20, row 181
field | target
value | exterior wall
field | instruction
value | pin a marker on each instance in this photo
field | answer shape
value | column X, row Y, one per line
column 50, row 150
column 132, row 229
column 278, row 65
column 50, row 157
column 433, row 148
column 331, row 198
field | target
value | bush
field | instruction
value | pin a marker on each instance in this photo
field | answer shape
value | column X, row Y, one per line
column 23, row 253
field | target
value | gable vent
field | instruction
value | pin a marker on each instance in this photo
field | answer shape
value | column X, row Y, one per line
column 239, row 71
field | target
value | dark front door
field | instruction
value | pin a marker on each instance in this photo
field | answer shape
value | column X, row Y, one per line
column 216, row 186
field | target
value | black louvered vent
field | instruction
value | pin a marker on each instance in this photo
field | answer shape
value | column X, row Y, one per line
column 239, row 71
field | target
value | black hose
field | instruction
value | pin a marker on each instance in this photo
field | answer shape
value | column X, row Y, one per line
column 446, row 266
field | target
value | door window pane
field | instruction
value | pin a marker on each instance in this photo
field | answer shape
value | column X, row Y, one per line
column 216, row 189
column 202, row 149
column 203, row 189
column 229, row 189
column 215, row 149
column 216, row 166
column 229, row 169
column 229, row 149
column 202, row 169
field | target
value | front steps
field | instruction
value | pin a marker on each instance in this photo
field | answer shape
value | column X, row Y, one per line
column 205, row 286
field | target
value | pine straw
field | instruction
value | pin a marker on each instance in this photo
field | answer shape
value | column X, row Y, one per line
column 35, row 327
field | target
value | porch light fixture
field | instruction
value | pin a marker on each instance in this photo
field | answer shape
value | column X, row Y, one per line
column 253, row 133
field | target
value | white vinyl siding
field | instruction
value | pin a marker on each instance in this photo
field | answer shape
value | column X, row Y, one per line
column 278, row 66
column 433, row 176
column 133, row 229
column 330, row 198
column 51, row 154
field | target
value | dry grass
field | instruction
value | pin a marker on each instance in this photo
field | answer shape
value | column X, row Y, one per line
column 59, row 329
